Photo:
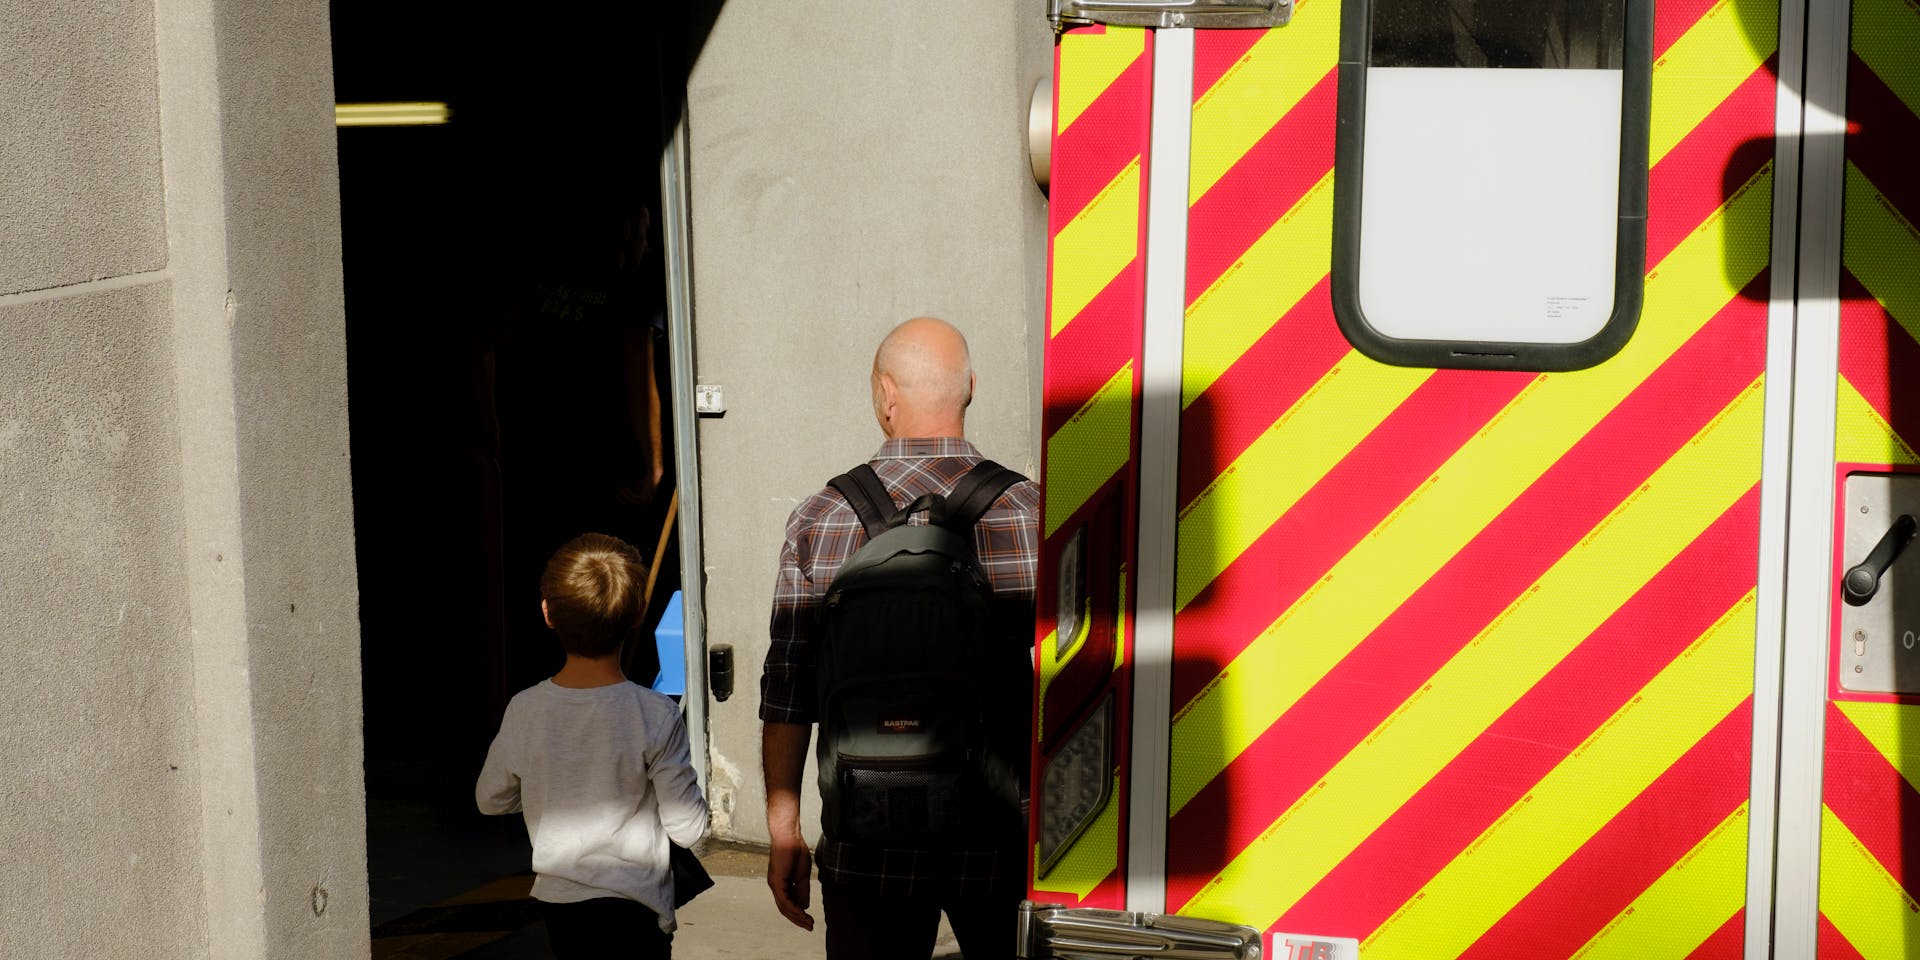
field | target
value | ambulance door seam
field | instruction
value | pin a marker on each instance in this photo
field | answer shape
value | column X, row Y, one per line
column 1811, row 485
column 1777, row 433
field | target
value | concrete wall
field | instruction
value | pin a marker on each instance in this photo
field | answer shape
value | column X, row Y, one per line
column 180, row 678
column 854, row 164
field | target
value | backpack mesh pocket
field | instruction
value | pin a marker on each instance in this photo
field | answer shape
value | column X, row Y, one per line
column 891, row 802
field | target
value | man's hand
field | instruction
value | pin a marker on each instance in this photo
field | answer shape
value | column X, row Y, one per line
column 790, row 876
column 783, row 756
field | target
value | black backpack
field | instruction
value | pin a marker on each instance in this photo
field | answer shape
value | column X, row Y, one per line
column 924, row 677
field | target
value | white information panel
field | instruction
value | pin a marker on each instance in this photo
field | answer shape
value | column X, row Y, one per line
column 1489, row 203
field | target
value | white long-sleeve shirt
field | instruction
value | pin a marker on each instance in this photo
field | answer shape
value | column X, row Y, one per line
column 605, row 778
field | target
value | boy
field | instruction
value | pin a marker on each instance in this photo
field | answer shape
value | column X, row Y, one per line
column 600, row 766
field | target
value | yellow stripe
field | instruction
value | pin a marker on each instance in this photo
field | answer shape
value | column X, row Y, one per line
column 1864, row 901
column 1284, row 463
column 1885, row 35
column 1280, row 69
column 1579, row 797
column 1882, row 249
column 1863, row 436
column 1250, row 296
column 1050, row 667
column 1893, row 729
column 1090, row 448
column 1098, row 243
column 1089, row 64
column 1686, row 905
column 1479, row 482
column 1707, row 64
column 1481, row 682
column 1091, row 858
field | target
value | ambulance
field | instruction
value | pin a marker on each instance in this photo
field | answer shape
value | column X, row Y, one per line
column 1479, row 465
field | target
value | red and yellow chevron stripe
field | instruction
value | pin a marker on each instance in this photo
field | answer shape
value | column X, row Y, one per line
column 1463, row 660
column 1096, row 297
column 1870, row 818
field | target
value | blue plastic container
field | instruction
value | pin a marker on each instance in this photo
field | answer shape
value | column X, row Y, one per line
column 670, row 640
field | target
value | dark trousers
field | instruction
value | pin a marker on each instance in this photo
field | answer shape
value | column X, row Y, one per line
column 606, row 927
column 862, row 926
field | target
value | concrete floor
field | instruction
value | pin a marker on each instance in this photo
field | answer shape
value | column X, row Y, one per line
column 449, row 883
column 733, row 921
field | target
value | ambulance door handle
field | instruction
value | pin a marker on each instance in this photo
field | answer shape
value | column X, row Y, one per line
column 1862, row 581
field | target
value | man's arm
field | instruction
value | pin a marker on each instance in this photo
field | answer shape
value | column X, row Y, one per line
column 783, row 759
column 787, row 714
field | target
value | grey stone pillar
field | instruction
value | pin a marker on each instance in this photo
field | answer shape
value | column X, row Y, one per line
column 179, row 691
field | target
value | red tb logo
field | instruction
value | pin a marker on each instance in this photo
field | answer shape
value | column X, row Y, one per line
column 1309, row 950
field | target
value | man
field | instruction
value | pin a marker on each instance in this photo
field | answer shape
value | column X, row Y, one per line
column 885, row 901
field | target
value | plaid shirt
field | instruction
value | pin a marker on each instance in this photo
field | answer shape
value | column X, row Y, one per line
column 821, row 534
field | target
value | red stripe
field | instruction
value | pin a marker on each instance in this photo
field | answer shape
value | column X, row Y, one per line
column 1673, row 18
column 1101, row 340
column 1270, row 377
column 1100, row 143
column 1834, row 945
column 1538, row 732
column 1709, row 164
column 1215, row 52
column 1872, row 346
column 1883, row 149
column 1635, row 849
column 1872, row 799
column 1332, row 517
column 1261, row 187
column 1509, row 554
column 1727, row 943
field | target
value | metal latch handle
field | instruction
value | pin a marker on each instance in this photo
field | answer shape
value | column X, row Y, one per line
column 1862, row 581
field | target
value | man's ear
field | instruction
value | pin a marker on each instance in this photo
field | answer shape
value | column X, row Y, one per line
column 546, row 614
column 973, row 382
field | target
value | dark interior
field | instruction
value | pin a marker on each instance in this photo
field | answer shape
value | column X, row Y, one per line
column 507, row 379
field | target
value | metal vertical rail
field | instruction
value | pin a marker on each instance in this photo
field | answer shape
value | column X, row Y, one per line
column 1166, row 282
column 1770, row 634
column 1809, row 553
column 676, row 230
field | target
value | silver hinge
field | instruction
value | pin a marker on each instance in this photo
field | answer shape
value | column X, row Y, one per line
column 1172, row 13
column 1052, row 932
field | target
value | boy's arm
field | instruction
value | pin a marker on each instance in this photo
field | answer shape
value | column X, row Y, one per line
column 498, row 789
column 683, row 810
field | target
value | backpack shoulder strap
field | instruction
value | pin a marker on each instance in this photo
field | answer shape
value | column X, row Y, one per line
column 977, row 492
column 868, row 497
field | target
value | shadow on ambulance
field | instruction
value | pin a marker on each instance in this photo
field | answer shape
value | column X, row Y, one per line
column 1089, row 609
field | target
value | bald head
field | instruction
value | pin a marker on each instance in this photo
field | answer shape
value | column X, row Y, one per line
column 922, row 380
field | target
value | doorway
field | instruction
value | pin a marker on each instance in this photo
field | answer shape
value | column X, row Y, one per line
column 509, row 388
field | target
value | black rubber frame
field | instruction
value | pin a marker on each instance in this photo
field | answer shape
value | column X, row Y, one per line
column 1630, row 258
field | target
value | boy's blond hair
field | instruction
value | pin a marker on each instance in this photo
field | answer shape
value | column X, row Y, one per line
column 593, row 589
